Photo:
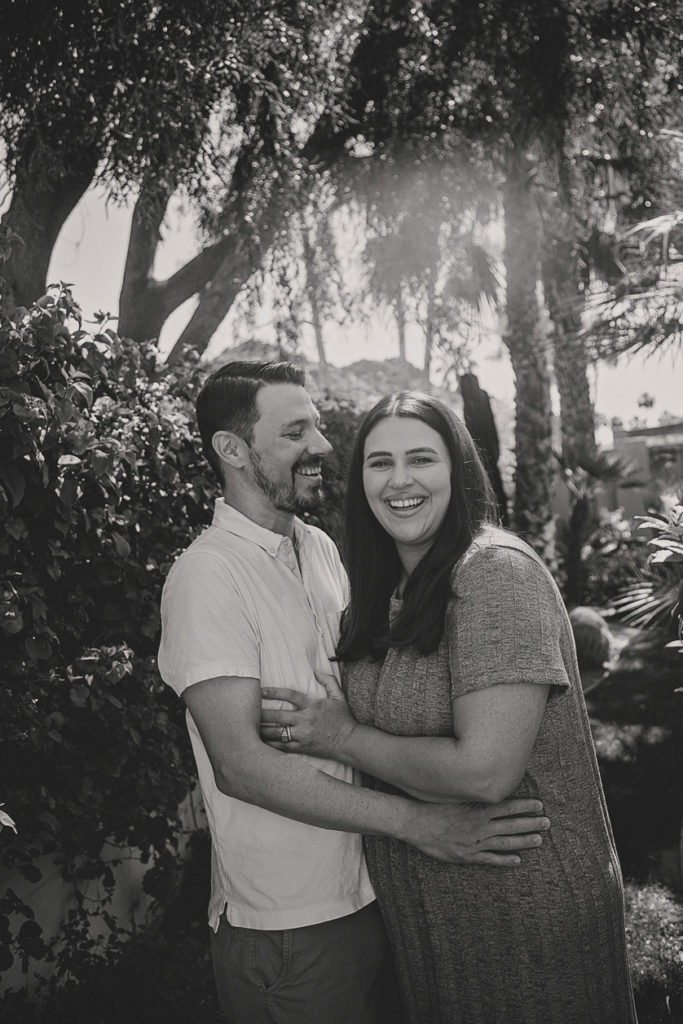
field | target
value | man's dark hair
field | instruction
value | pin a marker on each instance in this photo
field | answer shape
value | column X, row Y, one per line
column 227, row 400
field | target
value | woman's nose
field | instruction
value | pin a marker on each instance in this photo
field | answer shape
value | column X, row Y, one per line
column 400, row 475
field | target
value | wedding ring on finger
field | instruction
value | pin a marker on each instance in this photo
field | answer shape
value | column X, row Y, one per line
column 286, row 734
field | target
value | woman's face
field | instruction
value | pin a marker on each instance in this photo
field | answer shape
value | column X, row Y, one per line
column 407, row 481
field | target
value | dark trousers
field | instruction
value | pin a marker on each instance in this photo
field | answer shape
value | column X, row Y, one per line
column 329, row 973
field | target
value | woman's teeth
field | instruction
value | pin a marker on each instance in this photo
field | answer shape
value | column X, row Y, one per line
column 404, row 503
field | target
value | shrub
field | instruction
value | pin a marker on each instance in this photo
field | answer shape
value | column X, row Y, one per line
column 654, row 932
column 100, row 486
column 611, row 557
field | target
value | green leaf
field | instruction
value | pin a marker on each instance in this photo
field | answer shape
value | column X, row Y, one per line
column 14, row 483
column 122, row 546
column 30, row 872
column 38, row 648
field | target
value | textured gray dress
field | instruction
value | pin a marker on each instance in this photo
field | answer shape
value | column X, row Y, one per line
column 542, row 943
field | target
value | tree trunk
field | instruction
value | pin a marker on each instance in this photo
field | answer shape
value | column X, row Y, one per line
column 316, row 319
column 561, row 277
column 533, row 451
column 242, row 258
column 33, row 220
column 400, row 309
column 429, row 330
column 142, row 309
column 218, row 273
column 560, row 267
column 145, row 303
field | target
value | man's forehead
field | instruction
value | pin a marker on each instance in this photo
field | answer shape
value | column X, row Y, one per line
column 284, row 403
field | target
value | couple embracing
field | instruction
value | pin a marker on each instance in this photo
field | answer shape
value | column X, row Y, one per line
column 377, row 748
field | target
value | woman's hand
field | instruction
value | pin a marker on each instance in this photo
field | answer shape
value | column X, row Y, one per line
column 317, row 727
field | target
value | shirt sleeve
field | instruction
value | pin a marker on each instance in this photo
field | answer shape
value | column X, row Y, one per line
column 206, row 628
column 504, row 623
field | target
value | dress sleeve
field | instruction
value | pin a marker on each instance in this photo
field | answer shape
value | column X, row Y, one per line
column 206, row 629
column 504, row 623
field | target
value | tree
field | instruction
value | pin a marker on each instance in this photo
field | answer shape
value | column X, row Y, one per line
column 291, row 133
column 149, row 95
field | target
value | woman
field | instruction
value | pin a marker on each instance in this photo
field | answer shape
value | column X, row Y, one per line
column 462, row 682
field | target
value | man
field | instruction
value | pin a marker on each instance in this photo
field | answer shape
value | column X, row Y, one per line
column 255, row 601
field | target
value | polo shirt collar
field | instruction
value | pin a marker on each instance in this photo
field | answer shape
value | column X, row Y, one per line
column 225, row 517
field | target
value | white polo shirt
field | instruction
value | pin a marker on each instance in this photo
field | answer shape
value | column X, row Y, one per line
column 236, row 603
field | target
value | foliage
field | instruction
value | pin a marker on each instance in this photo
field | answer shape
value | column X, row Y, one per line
column 658, row 599
column 644, row 305
column 586, row 528
column 654, row 932
column 101, row 487
column 102, row 484
column 611, row 556
column 161, row 976
column 339, row 423
column 139, row 83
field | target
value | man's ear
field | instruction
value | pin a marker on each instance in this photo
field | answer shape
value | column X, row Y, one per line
column 231, row 449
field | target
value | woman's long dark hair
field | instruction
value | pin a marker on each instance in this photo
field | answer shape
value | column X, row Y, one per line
column 371, row 556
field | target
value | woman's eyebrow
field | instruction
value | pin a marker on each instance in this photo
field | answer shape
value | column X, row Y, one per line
column 410, row 451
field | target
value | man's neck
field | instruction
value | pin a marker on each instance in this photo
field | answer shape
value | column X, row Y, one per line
column 262, row 513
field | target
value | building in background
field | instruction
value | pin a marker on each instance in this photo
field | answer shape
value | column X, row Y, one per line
column 653, row 457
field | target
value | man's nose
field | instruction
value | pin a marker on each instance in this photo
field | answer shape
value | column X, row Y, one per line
column 319, row 445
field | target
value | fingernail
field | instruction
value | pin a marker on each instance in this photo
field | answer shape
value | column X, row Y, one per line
column 516, row 860
column 265, row 692
column 545, row 823
column 537, row 840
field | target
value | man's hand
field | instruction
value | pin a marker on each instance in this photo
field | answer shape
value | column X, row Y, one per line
column 471, row 834
column 317, row 727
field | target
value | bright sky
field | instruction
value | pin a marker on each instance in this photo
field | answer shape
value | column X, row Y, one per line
column 91, row 250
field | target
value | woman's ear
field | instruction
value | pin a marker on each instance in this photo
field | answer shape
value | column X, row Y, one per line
column 230, row 449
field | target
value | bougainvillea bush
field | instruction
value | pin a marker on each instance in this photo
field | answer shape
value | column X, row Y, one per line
column 101, row 484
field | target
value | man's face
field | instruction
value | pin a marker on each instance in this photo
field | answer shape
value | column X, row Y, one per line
column 286, row 450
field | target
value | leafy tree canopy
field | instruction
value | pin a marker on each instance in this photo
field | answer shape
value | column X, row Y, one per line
column 148, row 84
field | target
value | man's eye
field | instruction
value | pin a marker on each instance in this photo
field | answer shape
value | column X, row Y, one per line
column 295, row 435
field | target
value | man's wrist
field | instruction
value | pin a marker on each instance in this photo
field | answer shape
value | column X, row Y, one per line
column 405, row 819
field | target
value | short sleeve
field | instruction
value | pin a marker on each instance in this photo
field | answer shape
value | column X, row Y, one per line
column 504, row 623
column 206, row 630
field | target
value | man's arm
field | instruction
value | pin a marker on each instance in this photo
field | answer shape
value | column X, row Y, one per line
column 226, row 711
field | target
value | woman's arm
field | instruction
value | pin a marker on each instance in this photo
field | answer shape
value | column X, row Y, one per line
column 495, row 730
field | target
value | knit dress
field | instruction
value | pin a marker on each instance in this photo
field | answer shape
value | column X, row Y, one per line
column 542, row 943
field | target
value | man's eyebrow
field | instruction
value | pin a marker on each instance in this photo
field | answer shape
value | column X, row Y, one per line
column 303, row 421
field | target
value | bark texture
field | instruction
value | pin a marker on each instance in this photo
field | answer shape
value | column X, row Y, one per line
column 533, row 473
column 561, row 285
column 41, row 203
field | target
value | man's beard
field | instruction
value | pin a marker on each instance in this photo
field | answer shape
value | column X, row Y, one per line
column 282, row 496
